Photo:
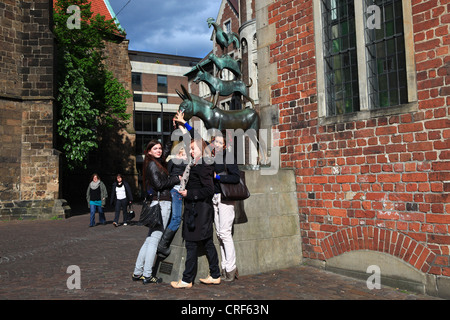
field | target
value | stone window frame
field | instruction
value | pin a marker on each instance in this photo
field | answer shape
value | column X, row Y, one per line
column 365, row 112
column 227, row 27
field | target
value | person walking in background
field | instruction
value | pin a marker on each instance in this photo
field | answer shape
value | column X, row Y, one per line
column 224, row 210
column 121, row 195
column 96, row 195
column 156, row 178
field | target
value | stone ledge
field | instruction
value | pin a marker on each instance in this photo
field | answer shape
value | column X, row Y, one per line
column 34, row 209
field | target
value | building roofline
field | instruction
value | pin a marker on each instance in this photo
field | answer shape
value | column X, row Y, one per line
column 156, row 54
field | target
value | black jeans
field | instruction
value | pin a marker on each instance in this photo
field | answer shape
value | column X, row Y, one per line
column 190, row 270
column 121, row 204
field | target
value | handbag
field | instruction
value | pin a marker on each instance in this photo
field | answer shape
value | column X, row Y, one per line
column 151, row 215
column 239, row 212
column 234, row 191
column 131, row 213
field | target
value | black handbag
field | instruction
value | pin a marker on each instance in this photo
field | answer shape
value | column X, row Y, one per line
column 239, row 212
column 131, row 213
column 151, row 215
column 234, row 191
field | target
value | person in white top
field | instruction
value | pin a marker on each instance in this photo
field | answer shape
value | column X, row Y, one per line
column 122, row 196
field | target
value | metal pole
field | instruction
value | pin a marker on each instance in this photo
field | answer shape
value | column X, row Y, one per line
column 162, row 123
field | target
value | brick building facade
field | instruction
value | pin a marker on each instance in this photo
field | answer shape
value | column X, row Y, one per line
column 371, row 163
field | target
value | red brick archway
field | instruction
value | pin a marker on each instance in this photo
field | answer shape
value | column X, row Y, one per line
column 373, row 238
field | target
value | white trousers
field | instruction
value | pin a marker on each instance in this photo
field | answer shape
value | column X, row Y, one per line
column 223, row 220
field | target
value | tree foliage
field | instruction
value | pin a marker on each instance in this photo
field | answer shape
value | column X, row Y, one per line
column 89, row 97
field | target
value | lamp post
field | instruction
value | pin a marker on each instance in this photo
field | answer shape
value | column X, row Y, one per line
column 162, row 123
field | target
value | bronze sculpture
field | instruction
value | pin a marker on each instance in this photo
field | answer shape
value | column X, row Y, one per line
column 216, row 118
column 222, row 38
column 223, row 62
column 222, row 87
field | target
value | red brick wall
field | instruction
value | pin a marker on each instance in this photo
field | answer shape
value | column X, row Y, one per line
column 150, row 84
column 382, row 183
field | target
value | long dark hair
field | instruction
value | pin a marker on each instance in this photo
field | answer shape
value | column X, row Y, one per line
column 160, row 163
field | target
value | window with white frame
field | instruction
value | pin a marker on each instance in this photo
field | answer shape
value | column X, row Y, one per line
column 361, row 60
column 227, row 25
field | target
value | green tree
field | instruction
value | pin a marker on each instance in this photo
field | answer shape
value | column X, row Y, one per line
column 89, row 98
column 78, row 120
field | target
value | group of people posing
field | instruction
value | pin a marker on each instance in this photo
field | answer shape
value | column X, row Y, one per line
column 203, row 207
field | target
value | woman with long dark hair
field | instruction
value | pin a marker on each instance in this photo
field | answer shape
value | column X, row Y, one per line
column 156, row 180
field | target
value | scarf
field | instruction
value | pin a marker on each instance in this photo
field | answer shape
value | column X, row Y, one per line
column 185, row 177
column 94, row 185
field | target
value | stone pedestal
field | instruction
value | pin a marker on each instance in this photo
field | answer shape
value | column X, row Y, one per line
column 269, row 240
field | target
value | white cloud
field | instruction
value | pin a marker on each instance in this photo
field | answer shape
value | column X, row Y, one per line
column 168, row 26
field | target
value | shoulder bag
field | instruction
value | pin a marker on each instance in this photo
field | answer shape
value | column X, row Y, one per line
column 234, row 191
column 151, row 215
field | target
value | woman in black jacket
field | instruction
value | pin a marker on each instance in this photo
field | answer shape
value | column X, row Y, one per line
column 122, row 196
column 155, row 178
column 198, row 219
column 225, row 171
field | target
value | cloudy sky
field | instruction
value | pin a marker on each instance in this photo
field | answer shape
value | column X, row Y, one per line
column 168, row 26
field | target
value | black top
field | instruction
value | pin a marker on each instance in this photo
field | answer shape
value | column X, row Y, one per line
column 176, row 168
column 159, row 181
column 232, row 172
column 95, row 194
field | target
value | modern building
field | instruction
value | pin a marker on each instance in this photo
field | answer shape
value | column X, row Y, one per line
column 155, row 77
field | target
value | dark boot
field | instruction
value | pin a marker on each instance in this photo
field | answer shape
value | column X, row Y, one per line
column 164, row 243
column 232, row 275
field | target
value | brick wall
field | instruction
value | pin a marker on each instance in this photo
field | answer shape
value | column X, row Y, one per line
column 26, row 48
column 150, row 84
column 380, row 183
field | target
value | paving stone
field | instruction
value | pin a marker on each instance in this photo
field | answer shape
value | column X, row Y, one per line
column 35, row 256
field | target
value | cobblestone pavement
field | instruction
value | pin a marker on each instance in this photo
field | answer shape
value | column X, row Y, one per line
column 35, row 256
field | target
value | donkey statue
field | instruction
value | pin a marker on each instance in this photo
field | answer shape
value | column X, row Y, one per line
column 222, row 87
column 215, row 118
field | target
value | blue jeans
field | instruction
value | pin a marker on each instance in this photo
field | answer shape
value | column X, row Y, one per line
column 177, row 205
column 147, row 253
column 101, row 215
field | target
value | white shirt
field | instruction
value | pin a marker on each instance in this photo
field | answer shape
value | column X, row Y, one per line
column 120, row 192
